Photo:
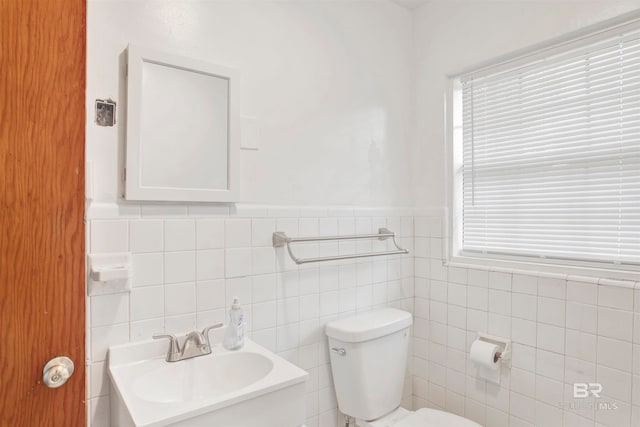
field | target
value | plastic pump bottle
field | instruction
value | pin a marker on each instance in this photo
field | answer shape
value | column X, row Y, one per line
column 234, row 337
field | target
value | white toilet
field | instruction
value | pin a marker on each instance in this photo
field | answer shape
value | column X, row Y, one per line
column 368, row 362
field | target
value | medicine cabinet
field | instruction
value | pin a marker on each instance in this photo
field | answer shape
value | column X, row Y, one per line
column 182, row 129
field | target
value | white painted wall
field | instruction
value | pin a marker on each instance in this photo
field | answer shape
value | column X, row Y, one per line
column 451, row 35
column 328, row 81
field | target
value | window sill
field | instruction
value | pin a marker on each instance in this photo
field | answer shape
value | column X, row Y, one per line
column 588, row 274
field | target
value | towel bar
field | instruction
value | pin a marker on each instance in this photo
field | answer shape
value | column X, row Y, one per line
column 281, row 239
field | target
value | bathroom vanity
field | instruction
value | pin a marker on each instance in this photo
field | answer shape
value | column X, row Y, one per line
column 250, row 387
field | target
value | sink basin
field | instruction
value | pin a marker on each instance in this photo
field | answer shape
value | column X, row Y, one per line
column 250, row 387
column 199, row 378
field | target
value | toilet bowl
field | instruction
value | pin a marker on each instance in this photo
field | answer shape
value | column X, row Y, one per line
column 420, row 418
column 368, row 354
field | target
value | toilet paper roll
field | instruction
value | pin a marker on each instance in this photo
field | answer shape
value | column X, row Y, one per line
column 484, row 354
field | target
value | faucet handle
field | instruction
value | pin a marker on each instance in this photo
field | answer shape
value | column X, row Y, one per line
column 174, row 344
column 205, row 331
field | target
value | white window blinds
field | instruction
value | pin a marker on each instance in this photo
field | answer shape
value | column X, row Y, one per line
column 551, row 155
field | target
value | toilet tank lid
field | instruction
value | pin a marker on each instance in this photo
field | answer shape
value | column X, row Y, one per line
column 369, row 325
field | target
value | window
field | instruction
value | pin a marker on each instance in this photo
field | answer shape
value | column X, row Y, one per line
column 547, row 153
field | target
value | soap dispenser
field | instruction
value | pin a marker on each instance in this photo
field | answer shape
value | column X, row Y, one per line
column 234, row 337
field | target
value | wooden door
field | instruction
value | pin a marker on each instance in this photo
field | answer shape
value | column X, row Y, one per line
column 42, row 133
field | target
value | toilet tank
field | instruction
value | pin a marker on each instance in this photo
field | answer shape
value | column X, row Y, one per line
column 369, row 374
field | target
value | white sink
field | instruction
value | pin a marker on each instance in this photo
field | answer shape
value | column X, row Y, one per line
column 199, row 378
column 251, row 387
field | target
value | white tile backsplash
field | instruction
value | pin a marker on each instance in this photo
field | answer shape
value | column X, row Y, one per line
column 523, row 406
column 524, row 306
column 524, row 357
column 210, row 295
column 210, row 264
column 523, row 382
column 500, row 302
column 578, row 371
column 582, row 292
column 581, row 345
column 478, row 278
column 180, row 323
column 552, row 287
column 103, row 337
column 264, row 287
column 239, row 287
column 549, row 364
column 179, row 298
column 615, row 383
column 210, row 233
column 146, row 236
column 264, row 315
column 525, row 284
column 549, row 390
column 500, row 280
column 457, row 294
column 616, row 324
column 615, row 297
column 148, row 269
column 147, row 302
column 615, row 354
column 100, row 385
column 548, row 414
column 109, row 309
column 237, row 262
column 179, row 235
column 237, row 233
column 478, row 298
column 551, row 311
column 179, row 266
column 310, row 306
column 550, row 338
column 582, row 317
column 288, row 311
column 109, row 236
column 563, row 331
column 186, row 271
column 499, row 325
column 457, row 275
column 262, row 230
column 99, row 415
column 143, row 329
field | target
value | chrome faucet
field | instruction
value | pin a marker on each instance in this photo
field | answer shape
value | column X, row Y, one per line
column 195, row 344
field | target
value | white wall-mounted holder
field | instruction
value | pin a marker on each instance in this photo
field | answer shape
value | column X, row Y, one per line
column 109, row 273
column 489, row 353
column 503, row 343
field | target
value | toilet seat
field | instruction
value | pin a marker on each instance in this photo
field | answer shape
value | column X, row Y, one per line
column 421, row 418
column 434, row 418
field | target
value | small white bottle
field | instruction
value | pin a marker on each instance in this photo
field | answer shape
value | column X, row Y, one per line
column 234, row 337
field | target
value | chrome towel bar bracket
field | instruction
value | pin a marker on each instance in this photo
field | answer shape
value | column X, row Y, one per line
column 281, row 239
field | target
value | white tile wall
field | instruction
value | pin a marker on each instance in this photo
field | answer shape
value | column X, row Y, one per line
column 188, row 268
column 564, row 329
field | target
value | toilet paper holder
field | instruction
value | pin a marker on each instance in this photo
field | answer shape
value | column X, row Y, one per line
column 504, row 355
